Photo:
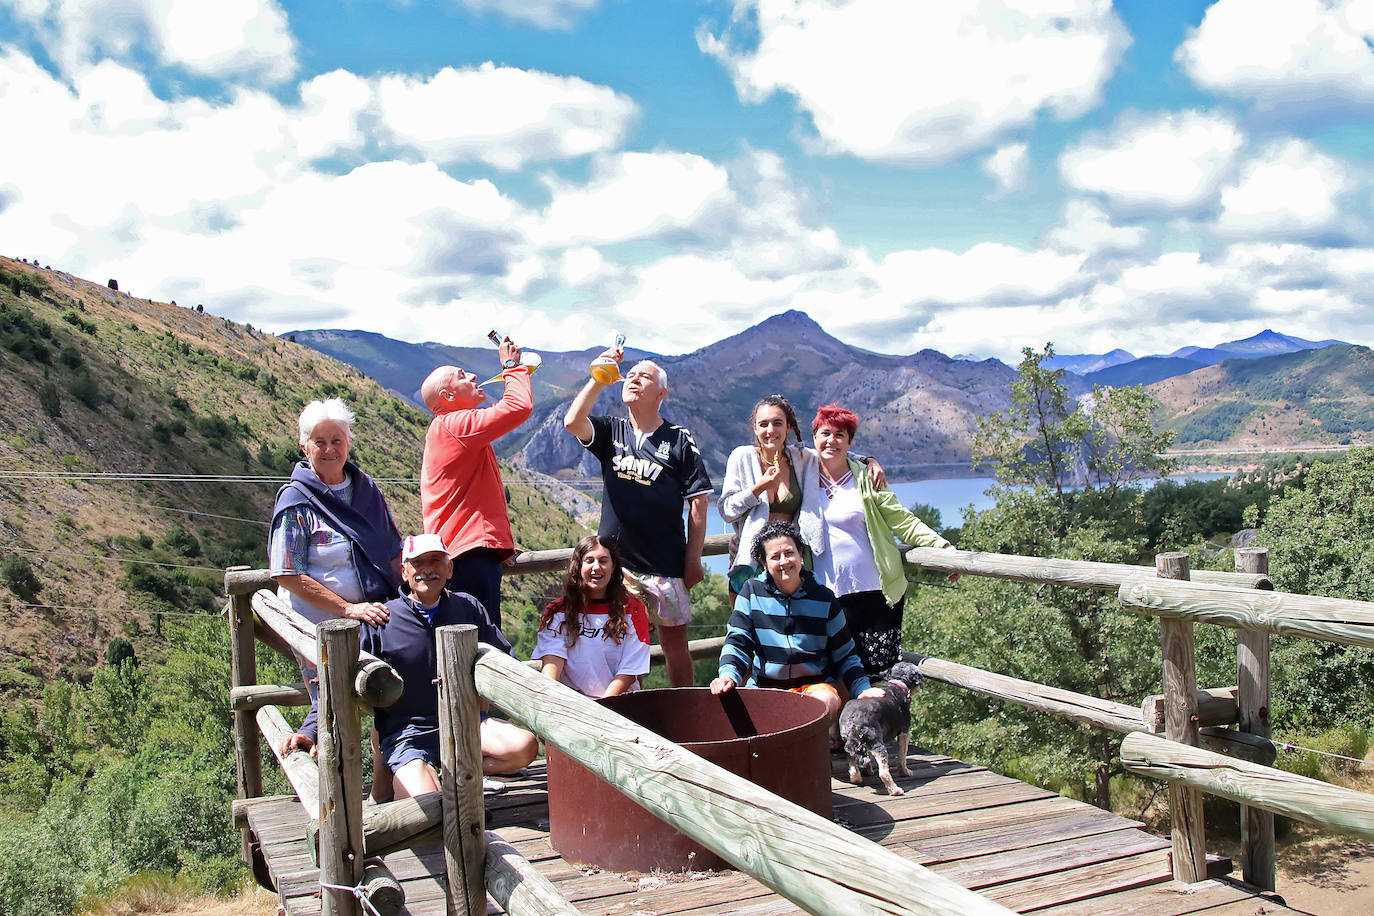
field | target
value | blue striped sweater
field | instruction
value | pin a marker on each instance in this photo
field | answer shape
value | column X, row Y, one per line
column 778, row 640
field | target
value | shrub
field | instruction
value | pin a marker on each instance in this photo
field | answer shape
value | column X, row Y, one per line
column 24, row 335
column 50, row 399
column 19, row 576
column 113, row 284
column 76, row 321
column 70, row 357
column 86, row 389
column 181, row 541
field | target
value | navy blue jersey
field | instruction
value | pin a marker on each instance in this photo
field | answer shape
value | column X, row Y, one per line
column 646, row 481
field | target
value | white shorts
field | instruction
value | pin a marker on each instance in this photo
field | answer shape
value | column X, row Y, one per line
column 665, row 598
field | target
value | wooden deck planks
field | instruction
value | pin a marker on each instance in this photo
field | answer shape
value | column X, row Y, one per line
column 1027, row 848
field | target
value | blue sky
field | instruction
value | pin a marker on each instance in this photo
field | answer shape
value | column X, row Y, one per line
column 971, row 176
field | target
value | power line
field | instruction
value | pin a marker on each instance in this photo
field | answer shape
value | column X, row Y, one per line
column 167, row 478
column 204, row 615
column 229, row 518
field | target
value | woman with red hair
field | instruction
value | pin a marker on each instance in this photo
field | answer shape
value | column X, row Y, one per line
column 849, row 526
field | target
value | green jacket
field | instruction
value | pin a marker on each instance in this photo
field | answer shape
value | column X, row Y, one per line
column 885, row 516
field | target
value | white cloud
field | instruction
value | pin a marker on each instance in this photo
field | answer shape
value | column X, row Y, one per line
column 503, row 116
column 1288, row 190
column 1170, row 163
column 636, row 196
column 1087, row 228
column 546, row 14
column 227, row 39
column 922, row 83
column 1008, row 167
column 1294, row 51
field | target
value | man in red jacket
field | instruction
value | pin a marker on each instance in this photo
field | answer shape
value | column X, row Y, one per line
column 461, row 493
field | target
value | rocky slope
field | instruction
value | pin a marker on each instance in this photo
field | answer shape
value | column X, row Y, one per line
column 116, row 409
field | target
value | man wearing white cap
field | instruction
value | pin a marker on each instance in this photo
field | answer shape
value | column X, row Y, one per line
column 409, row 728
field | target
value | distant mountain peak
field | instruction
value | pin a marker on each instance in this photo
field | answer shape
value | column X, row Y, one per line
column 792, row 318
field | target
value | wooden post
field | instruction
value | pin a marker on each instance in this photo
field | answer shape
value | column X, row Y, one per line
column 1180, row 724
column 243, row 672
column 341, row 768
column 460, row 755
column 1257, row 858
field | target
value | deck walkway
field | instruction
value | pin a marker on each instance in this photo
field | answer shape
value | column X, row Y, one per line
column 1028, row 849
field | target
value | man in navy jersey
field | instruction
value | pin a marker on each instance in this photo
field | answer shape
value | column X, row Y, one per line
column 649, row 467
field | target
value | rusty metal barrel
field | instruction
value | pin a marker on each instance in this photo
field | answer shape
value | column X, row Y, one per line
column 774, row 738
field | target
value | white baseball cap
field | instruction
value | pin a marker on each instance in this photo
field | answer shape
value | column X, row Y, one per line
column 420, row 544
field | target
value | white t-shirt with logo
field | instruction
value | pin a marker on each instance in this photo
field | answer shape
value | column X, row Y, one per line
column 595, row 659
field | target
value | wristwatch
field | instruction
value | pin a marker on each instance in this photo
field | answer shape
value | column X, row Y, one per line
column 509, row 364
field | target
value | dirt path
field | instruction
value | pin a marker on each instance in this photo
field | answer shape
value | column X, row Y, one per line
column 1328, row 876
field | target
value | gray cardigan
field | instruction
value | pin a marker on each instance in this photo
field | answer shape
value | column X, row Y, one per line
column 749, row 513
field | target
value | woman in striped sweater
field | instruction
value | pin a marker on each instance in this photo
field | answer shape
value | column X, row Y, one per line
column 788, row 632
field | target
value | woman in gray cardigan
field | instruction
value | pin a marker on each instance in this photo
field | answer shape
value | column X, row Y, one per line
column 767, row 482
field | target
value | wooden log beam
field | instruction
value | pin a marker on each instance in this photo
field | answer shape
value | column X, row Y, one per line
column 1215, row 706
column 243, row 671
column 818, row 865
column 255, row 696
column 519, row 887
column 383, row 891
column 1336, row 620
column 403, row 823
column 375, row 682
column 1078, row 707
column 340, row 812
column 240, row 580
column 1116, row 717
column 543, row 561
column 1231, row 743
column 1310, row 800
column 1050, row 571
column 300, row 768
column 1258, row 862
column 1187, row 830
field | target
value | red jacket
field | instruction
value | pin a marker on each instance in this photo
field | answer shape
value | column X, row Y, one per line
column 461, row 493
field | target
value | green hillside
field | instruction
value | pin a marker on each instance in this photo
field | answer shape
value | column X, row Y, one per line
column 1312, row 397
column 98, row 382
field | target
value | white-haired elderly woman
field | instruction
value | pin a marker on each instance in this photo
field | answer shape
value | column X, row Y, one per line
column 333, row 548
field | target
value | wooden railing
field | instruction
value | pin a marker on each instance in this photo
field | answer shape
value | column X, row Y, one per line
column 1199, row 751
column 804, row 857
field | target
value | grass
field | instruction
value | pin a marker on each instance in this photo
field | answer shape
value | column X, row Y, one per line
column 175, row 895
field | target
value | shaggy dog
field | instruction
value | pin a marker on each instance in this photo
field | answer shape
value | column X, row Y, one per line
column 867, row 725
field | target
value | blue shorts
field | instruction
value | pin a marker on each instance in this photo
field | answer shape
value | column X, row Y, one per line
column 414, row 742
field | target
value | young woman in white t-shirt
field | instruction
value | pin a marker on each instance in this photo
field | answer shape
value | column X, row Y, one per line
column 595, row 638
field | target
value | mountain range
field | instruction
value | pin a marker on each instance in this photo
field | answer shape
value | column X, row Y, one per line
column 918, row 412
column 1119, row 367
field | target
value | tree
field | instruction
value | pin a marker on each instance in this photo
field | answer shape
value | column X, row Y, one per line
column 120, row 650
column 1037, row 439
column 1047, row 438
column 1317, row 533
column 1065, row 470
